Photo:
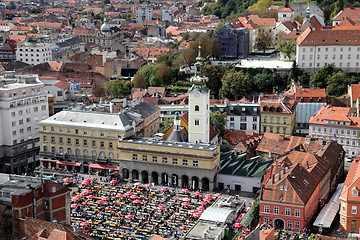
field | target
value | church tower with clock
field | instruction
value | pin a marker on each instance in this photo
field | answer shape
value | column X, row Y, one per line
column 199, row 105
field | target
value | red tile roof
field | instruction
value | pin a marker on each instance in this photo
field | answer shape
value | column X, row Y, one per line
column 329, row 37
column 355, row 91
column 328, row 113
column 63, row 85
column 286, row 9
column 347, row 12
column 352, row 182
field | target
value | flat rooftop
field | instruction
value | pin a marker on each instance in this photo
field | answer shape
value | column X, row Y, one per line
column 155, row 142
column 206, row 230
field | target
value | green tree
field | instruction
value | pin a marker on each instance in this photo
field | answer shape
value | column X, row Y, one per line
column 298, row 17
column 263, row 40
column 261, row 5
column 118, row 88
column 319, row 78
column 11, row 5
column 218, row 120
column 163, row 74
column 287, row 48
column 337, row 84
column 263, row 82
column 139, row 81
column 106, row 2
column 166, row 125
column 235, row 84
column 214, row 74
column 339, row 5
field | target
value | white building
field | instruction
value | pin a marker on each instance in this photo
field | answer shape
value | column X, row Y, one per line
column 34, row 53
column 166, row 14
column 144, row 13
column 169, row 111
column 335, row 123
column 240, row 116
column 316, row 49
column 23, row 103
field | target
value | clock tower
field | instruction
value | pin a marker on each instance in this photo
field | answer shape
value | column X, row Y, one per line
column 199, row 105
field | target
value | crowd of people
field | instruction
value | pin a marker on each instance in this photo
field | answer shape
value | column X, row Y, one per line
column 110, row 210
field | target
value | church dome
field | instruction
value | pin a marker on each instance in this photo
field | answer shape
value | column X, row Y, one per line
column 105, row 27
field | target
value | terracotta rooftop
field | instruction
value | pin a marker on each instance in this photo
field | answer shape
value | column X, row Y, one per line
column 347, row 12
column 63, row 85
column 352, row 182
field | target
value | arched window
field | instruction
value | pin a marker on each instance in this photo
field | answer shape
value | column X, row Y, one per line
column 69, row 151
column 196, row 108
column 111, row 155
column 102, row 155
column 53, row 149
column 61, row 150
column 85, row 152
column 93, row 153
column 77, row 152
column 45, row 148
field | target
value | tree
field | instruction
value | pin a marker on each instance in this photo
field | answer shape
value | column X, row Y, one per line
column 118, row 88
column 218, row 120
column 139, row 81
column 263, row 82
column 261, row 5
column 339, row 5
column 235, row 84
column 319, row 78
column 263, row 40
column 287, row 48
column 337, row 84
column 106, row 2
column 214, row 74
column 164, row 75
column 166, row 125
column 298, row 17
column 11, row 5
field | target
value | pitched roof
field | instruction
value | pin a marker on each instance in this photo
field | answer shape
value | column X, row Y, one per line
column 352, row 182
column 329, row 37
column 55, row 66
column 329, row 113
column 347, row 12
column 285, row 9
column 63, row 85
column 355, row 91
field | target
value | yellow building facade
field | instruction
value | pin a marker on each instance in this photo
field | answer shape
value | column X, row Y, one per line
column 278, row 116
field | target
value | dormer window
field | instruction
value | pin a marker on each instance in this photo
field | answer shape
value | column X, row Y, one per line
column 355, row 193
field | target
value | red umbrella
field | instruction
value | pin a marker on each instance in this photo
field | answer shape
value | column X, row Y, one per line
column 186, row 199
column 105, row 198
column 186, row 190
column 185, row 204
column 137, row 184
column 217, row 194
column 197, row 214
column 74, row 205
column 246, row 209
column 200, row 208
column 161, row 208
column 242, row 215
column 119, row 195
column 128, row 194
column 99, row 202
column 129, row 216
column 238, row 220
column 67, row 179
column 86, row 183
column 75, row 199
column 164, row 189
column 149, row 185
column 113, row 181
column 134, row 197
column 137, row 201
column 92, row 179
column 191, row 212
column 237, row 225
column 91, row 197
column 84, row 224
column 197, row 193
column 202, row 203
column 250, row 204
column 208, row 195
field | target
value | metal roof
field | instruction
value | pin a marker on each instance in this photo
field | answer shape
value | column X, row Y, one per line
column 216, row 214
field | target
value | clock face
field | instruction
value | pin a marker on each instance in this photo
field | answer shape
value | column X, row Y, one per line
column 197, row 94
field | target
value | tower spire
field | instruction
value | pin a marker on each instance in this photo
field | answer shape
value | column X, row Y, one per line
column 199, row 58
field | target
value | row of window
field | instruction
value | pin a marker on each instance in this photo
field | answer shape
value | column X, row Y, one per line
column 33, row 90
column 77, row 132
column 333, row 57
column 342, row 131
column 78, row 153
column 289, row 223
column 337, row 65
column 243, row 119
column 334, row 49
column 353, row 224
column 287, row 211
column 27, row 101
column 33, row 50
column 21, row 130
column 271, row 129
column 353, row 208
column 77, row 142
column 32, row 55
column 175, row 161
column 278, row 120
column 243, row 126
column 33, row 60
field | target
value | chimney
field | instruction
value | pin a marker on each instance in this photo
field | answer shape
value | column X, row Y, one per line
column 307, row 164
column 284, row 170
column 273, row 178
column 279, row 176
